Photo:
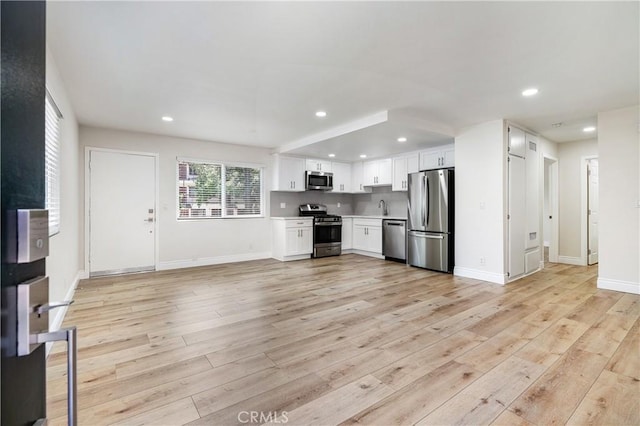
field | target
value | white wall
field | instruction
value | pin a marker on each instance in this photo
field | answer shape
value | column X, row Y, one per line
column 619, row 174
column 64, row 261
column 195, row 242
column 480, row 202
column 571, row 171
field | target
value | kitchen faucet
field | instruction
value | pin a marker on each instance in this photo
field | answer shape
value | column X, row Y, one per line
column 384, row 207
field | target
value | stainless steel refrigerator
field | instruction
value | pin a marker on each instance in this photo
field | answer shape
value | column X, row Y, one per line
column 430, row 220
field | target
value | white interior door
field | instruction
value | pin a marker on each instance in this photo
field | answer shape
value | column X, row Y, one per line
column 517, row 216
column 592, row 212
column 122, row 212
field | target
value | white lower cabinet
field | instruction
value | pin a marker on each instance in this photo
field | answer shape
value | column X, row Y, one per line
column 347, row 233
column 292, row 238
column 367, row 235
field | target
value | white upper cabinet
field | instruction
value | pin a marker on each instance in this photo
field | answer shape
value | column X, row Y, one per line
column 438, row 158
column 341, row 177
column 288, row 174
column 517, row 142
column 402, row 166
column 357, row 178
column 378, row 172
column 318, row 165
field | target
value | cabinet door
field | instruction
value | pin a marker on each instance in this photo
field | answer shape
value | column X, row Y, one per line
column 360, row 241
column 413, row 165
column 318, row 165
column 531, row 193
column 370, row 173
column 517, row 142
column 357, row 177
column 385, row 172
column 448, row 157
column 429, row 160
column 517, row 216
column 347, row 233
column 305, row 242
column 374, row 239
column 341, row 177
column 292, row 242
column 290, row 174
column 399, row 174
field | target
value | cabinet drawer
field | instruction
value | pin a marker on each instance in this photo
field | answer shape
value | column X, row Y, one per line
column 371, row 223
column 300, row 223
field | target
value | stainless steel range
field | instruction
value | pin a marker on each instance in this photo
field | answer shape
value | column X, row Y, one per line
column 327, row 230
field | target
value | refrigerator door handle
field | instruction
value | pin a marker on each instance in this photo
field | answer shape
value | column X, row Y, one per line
column 424, row 184
column 421, row 235
column 428, row 200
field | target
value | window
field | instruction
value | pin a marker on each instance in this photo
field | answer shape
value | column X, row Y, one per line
column 215, row 190
column 52, row 117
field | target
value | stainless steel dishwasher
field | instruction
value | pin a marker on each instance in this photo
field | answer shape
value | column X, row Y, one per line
column 394, row 239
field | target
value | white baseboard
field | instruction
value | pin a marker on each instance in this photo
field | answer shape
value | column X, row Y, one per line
column 477, row 274
column 61, row 312
column 570, row 260
column 364, row 253
column 206, row 261
column 618, row 285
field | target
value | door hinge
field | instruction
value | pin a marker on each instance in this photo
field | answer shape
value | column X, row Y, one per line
column 589, row 251
column 508, row 216
column 589, row 211
column 508, row 274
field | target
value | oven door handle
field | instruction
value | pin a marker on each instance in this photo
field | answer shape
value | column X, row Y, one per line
column 329, row 224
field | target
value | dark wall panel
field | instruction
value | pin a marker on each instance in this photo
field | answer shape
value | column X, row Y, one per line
column 22, row 170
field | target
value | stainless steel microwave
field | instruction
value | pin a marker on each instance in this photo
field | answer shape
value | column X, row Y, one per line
column 319, row 181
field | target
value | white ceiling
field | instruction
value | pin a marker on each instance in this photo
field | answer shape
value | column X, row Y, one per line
column 254, row 73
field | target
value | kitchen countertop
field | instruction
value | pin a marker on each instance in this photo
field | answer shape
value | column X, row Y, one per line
column 364, row 216
column 352, row 216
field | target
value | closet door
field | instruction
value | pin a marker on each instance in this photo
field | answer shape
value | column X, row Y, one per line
column 517, row 215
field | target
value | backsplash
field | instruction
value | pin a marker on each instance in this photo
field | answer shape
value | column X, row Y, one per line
column 360, row 204
column 367, row 204
column 293, row 199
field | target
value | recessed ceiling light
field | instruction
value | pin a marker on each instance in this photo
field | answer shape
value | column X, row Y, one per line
column 589, row 129
column 167, row 118
column 321, row 113
column 402, row 139
column 332, row 155
column 529, row 92
column 363, row 155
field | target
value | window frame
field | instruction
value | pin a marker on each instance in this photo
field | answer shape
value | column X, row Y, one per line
column 223, row 201
column 54, row 228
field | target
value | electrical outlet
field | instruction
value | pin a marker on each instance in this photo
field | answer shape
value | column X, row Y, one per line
column 283, row 205
column 338, row 205
column 482, row 261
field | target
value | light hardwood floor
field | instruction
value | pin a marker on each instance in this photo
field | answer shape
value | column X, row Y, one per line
column 350, row 340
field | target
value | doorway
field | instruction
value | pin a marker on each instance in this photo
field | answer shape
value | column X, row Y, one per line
column 550, row 206
column 592, row 211
column 122, row 212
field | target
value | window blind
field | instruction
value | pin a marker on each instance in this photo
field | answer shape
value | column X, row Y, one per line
column 52, row 163
column 214, row 190
column 243, row 191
